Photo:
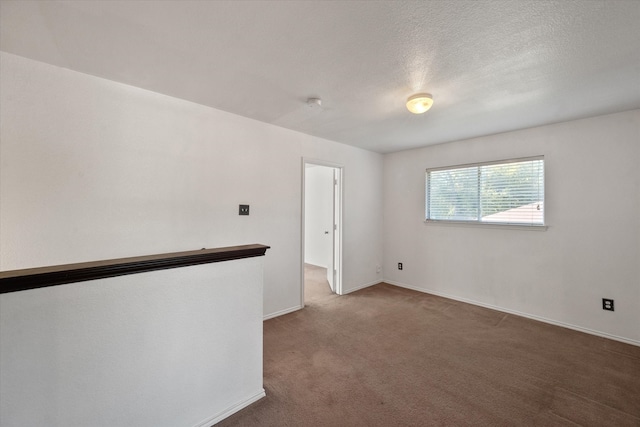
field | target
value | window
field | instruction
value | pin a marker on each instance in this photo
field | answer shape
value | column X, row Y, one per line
column 505, row 192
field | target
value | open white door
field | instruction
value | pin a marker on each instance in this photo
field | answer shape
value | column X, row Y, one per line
column 330, row 234
column 336, row 285
column 330, row 265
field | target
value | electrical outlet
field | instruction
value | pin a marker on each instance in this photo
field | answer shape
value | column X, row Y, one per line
column 243, row 210
column 607, row 304
column 399, row 266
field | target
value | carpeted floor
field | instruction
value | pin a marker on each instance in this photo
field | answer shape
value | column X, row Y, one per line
column 388, row 356
column 316, row 287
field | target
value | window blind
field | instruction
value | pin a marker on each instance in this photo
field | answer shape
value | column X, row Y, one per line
column 505, row 192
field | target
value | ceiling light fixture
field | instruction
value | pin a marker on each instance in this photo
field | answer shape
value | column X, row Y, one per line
column 419, row 103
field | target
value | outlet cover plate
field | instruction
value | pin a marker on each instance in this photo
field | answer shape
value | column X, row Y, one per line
column 243, row 210
column 607, row 304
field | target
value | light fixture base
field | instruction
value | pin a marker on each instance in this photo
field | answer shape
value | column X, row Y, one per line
column 314, row 102
column 419, row 103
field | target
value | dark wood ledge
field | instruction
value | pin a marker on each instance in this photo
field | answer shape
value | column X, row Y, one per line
column 32, row 278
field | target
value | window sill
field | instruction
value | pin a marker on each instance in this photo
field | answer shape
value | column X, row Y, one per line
column 486, row 225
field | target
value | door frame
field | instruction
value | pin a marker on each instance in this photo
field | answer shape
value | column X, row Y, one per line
column 338, row 221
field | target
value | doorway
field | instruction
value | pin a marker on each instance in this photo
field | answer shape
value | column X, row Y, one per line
column 321, row 229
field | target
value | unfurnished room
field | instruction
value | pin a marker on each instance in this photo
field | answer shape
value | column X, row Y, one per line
column 319, row 213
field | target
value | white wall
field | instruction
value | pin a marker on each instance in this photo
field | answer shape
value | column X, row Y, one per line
column 318, row 246
column 590, row 251
column 92, row 169
column 180, row 347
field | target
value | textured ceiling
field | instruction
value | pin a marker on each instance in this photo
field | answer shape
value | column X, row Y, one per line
column 492, row 66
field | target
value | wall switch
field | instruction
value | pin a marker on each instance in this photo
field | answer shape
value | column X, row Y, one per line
column 607, row 304
column 399, row 266
column 244, row 210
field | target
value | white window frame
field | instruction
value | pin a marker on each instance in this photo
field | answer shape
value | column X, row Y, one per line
column 479, row 222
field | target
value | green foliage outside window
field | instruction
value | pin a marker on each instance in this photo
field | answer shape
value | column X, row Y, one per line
column 515, row 190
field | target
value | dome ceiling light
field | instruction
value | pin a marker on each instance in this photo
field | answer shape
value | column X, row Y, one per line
column 419, row 103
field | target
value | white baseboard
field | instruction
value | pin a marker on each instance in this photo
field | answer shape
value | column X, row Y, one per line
column 300, row 307
column 231, row 410
column 518, row 313
column 282, row 312
column 357, row 288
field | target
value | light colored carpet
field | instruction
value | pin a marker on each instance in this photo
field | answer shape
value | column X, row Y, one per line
column 316, row 286
column 387, row 356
